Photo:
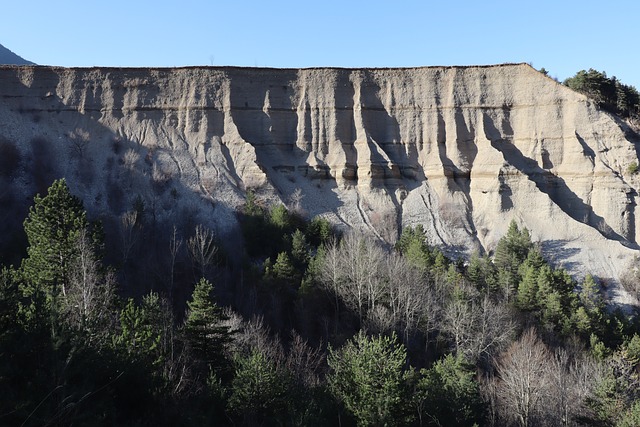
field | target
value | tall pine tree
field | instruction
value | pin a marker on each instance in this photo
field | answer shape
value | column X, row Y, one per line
column 53, row 228
column 206, row 333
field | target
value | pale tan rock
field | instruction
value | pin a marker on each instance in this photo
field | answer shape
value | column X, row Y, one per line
column 461, row 150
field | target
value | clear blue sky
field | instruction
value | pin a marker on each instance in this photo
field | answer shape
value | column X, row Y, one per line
column 562, row 36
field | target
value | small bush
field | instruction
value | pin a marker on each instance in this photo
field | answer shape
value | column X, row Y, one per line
column 632, row 169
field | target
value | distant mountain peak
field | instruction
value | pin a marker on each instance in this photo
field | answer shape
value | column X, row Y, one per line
column 9, row 58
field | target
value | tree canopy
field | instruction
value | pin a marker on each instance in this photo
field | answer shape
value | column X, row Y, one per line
column 608, row 92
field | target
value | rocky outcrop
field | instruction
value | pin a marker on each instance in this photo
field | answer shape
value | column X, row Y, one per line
column 461, row 150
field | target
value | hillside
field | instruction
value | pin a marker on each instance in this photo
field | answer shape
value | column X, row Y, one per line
column 10, row 58
column 461, row 150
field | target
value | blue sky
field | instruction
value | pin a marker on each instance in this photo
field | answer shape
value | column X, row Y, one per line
column 562, row 36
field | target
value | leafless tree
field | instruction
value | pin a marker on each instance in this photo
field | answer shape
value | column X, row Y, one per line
column 176, row 364
column 295, row 202
column 409, row 297
column 202, row 247
column 175, row 244
column 88, row 299
column 130, row 159
column 572, row 376
column 362, row 259
column 304, row 362
column 630, row 280
column 331, row 274
column 129, row 232
column 523, row 379
column 479, row 328
column 253, row 335
column 489, row 386
column 79, row 142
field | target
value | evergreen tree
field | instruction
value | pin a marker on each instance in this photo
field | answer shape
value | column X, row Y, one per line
column 608, row 92
column 53, row 228
column 283, row 271
column 590, row 295
column 139, row 336
column 206, row 333
column 299, row 250
column 319, row 231
column 412, row 244
column 447, row 394
column 279, row 217
column 528, row 288
column 513, row 249
column 369, row 376
column 259, row 390
column 474, row 271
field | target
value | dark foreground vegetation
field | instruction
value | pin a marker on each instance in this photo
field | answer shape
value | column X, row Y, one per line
column 304, row 327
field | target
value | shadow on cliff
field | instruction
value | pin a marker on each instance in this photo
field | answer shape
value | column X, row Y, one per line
column 557, row 253
column 395, row 161
column 459, row 180
column 553, row 186
column 266, row 118
column 125, row 182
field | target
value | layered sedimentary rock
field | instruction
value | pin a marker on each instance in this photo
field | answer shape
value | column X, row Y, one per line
column 461, row 150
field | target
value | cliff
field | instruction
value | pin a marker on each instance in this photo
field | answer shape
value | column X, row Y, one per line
column 461, row 150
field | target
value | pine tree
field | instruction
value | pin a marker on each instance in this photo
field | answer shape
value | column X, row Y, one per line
column 258, row 390
column 319, row 231
column 370, row 378
column 279, row 217
column 283, row 270
column 448, row 394
column 513, row 248
column 590, row 296
column 53, row 228
column 528, row 289
column 205, row 332
column 299, row 250
column 139, row 336
column 474, row 271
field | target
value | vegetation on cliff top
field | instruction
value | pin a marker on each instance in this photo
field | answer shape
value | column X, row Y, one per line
column 608, row 92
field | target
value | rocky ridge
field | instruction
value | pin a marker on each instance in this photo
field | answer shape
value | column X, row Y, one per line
column 8, row 57
column 461, row 150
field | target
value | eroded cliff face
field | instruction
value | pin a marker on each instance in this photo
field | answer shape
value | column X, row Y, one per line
column 461, row 150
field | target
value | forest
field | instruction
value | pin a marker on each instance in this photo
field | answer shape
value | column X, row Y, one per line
column 138, row 324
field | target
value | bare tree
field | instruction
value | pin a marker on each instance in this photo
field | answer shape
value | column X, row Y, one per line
column 523, row 379
column 295, row 202
column 478, row 327
column 409, row 297
column 304, row 362
column 253, row 335
column 362, row 259
column 630, row 280
column 202, row 248
column 175, row 244
column 129, row 232
column 88, row 299
column 331, row 274
column 79, row 142
column 572, row 376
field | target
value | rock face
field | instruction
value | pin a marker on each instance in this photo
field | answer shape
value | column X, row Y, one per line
column 461, row 150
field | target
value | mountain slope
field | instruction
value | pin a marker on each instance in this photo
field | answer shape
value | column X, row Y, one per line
column 9, row 58
column 461, row 150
